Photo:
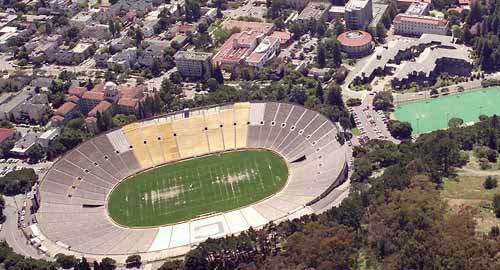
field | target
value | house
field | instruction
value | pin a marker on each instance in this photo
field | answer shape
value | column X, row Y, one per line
column 124, row 59
column 153, row 50
column 75, row 55
column 81, row 20
column 96, row 32
column 32, row 109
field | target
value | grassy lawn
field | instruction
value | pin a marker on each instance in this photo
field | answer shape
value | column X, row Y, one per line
column 469, row 190
column 355, row 132
column 185, row 190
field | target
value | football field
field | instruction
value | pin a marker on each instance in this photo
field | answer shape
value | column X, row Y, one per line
column 184, row 190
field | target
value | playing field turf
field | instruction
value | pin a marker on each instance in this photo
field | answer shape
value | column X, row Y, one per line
column 184, row 190
column 433, row 114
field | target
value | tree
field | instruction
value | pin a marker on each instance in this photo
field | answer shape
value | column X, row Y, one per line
column 176, row 77
column 133, row 261
column 35, row 153
column 107, row 264
column 217, row 74
column 321, row 55
column 400, row 130
column 66, row 261
column 82, row 265
column 496, row 205
column 138, row 37
column 212, row 84
column 490, row 182
column 320, row 94
column 383, row 101
column 455, row 122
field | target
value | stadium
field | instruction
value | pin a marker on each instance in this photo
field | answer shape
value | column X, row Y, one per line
column 160, row 186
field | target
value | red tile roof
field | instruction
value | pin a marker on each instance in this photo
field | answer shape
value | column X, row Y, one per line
column 354, row 38
column 420, row 19
column 101, row 107
column 283, row 36
column 128, row 102
column 66, row 108
column 57, row 118
column 73, row 99
column 77, row 91
column 93, row 95
column 6, row 133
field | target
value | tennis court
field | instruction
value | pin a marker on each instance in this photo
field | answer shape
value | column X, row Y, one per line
column 433, row 114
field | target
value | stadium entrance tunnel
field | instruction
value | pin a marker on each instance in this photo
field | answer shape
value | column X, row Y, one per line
column 192, row 188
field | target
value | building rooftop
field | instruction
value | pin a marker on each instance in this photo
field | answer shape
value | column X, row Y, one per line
column 192, row 55
column 81, row 47
column 417, row 8
column 6, row 133
column 93, row 95
column 356, row 4
column 354, row 38
column 314, row 10
column 248, row 26
column 66, row 108
column 420, row 19
column 101, row 107
column 77, row 90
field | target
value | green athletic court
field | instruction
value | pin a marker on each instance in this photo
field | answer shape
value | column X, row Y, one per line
column 433, row 114
column 181, row 191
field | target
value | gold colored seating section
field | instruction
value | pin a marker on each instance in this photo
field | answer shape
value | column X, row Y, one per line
column 151, row 134
column 190, row 136
column 168, row 139
column 241, row 115
column 169, row 144
column 135, row 139
column 227, row 119
column 214, row 131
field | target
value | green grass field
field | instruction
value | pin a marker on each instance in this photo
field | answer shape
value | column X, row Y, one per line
column 184, row 190
column 433, row 114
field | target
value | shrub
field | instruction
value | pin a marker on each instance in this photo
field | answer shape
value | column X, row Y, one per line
column 490, row 182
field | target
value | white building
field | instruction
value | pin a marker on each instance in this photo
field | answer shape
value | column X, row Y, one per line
column 358, row 13
column 415, row 25
column 266, row 50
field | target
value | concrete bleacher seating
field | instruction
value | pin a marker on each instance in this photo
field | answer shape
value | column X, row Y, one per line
column 152, row 137
column 134, row 137
column 214, row 131
column 228, row 131
column 74, row 191
column 168, row 142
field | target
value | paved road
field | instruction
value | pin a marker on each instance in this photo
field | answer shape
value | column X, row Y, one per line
column 13, row 235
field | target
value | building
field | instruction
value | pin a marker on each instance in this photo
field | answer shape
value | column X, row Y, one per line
column 267, row 49
column 356, row 43
column 96, row 32
column 193, row 64
column 24, row 106
column 358, row 13
column 337, row 12
column 431, row 63
column 418, row 9
column 6, row 133
column 23, row 145
column 416, row 25
column 81, row 20
column 386, row 58
column 314, row 11
column 124, row 98
column 123, row 60
column 48, row 136
column 76, row 55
